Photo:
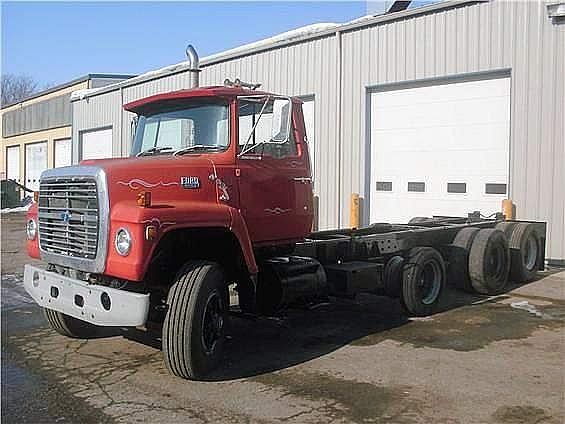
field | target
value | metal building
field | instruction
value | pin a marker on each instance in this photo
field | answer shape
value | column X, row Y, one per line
column 431, row 110
column 36, row 131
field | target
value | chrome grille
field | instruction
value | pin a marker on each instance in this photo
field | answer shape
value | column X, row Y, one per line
column 69, row 216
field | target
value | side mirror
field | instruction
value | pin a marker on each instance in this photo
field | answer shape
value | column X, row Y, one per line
column 280, row 129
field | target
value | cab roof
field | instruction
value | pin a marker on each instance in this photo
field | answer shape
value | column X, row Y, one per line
column 213, row 91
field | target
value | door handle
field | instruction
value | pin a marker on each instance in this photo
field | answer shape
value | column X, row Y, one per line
column 303, row 179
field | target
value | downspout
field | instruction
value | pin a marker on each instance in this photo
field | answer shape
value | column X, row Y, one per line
column 338, row 120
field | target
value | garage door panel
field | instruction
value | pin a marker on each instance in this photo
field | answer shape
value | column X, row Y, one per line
column 443, row 93
column 443, row 114
column 62, row 152
column 13, row 163
column 454, row 133
column 430, row 163
column 96, row 144
column 480, row 137
column 35, row 164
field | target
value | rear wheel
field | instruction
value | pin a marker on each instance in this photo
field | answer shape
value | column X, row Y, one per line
column 193, row 331
column 489, row 261
column 392, row 276
column 506, row 228
column 423, row 280
column 70, row 326
column 458, row 270
column 526, row 252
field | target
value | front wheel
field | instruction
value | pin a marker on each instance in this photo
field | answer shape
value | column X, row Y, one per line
column 193, row 331
column 423, row 280
column 70, row 326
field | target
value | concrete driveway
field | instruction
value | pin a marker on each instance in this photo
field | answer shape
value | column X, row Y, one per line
column 482, row 360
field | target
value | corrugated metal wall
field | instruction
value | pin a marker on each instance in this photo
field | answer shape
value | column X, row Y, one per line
column 98, row 112
column 44, row 115
column 494, row 36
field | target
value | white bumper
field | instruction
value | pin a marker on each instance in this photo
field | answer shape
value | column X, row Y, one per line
column 84, row 301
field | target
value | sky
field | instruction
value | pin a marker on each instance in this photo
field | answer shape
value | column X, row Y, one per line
column 57, row 42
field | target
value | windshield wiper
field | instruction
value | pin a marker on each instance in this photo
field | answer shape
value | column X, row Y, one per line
column 197, row 147
column 153, row 150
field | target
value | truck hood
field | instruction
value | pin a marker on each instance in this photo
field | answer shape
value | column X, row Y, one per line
column 171, row 180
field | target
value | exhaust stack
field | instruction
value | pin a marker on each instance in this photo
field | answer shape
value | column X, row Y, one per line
column 194, row 64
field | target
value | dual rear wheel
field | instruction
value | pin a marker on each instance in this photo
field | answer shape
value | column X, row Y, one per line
column 481, row 261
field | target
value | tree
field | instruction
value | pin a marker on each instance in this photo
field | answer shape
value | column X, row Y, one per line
column 17, row 87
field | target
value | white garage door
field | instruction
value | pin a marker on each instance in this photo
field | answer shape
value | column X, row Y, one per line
column 13, row 163
column 439, row 150
column 62, row 152
column 35, row 164
column 96, row 144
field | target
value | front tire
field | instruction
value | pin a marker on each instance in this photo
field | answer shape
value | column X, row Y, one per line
column 70, row 326
column 193, row 331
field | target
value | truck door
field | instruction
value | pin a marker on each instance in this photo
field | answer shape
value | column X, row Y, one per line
column 275, row 185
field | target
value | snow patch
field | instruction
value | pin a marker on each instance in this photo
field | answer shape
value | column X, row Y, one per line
column 18, row 209
column 285, row 36
column 528, row 307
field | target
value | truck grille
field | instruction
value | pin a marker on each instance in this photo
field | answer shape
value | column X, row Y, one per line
column 68, row 216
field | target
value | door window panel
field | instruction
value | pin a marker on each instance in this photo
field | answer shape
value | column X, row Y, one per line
column 249, row 116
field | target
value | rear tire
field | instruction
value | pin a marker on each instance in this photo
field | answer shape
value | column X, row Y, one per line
column 423, row 280
column 458, row 270
column 193, row 330
column 506, row 228
column 525, row 252
column 489, row 261
column 70, row 326
column 392, row 276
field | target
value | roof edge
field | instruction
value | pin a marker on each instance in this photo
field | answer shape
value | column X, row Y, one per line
column 67, row 84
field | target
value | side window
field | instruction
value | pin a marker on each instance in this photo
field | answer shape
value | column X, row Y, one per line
column 249, row 112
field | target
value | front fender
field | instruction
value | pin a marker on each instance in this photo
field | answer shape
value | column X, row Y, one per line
column 165, row 219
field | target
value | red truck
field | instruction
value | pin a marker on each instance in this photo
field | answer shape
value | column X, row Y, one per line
column 218, row 191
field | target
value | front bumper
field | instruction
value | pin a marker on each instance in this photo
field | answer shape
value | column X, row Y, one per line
column 84, row 301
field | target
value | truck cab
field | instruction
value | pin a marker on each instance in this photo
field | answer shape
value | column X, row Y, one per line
column 220, row 174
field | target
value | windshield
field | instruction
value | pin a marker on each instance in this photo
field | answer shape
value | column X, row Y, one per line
column 201, row 125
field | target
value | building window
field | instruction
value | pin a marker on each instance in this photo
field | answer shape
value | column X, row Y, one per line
column 417, row 187
column 493, row 188
column 456, row 187
column 384, row 185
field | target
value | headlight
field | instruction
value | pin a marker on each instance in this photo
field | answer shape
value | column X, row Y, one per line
column 31, row 229
column 123, row 241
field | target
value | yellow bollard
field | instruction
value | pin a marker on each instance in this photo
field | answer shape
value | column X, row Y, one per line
column 508, row 209
column 354, row 211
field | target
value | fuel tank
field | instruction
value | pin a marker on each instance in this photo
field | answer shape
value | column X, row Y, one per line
column 289, row 280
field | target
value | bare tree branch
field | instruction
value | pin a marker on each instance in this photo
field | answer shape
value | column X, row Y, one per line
column 17, row 87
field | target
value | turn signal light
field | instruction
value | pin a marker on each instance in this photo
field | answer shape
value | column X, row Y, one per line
column 150, row 232
column 144, row 199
